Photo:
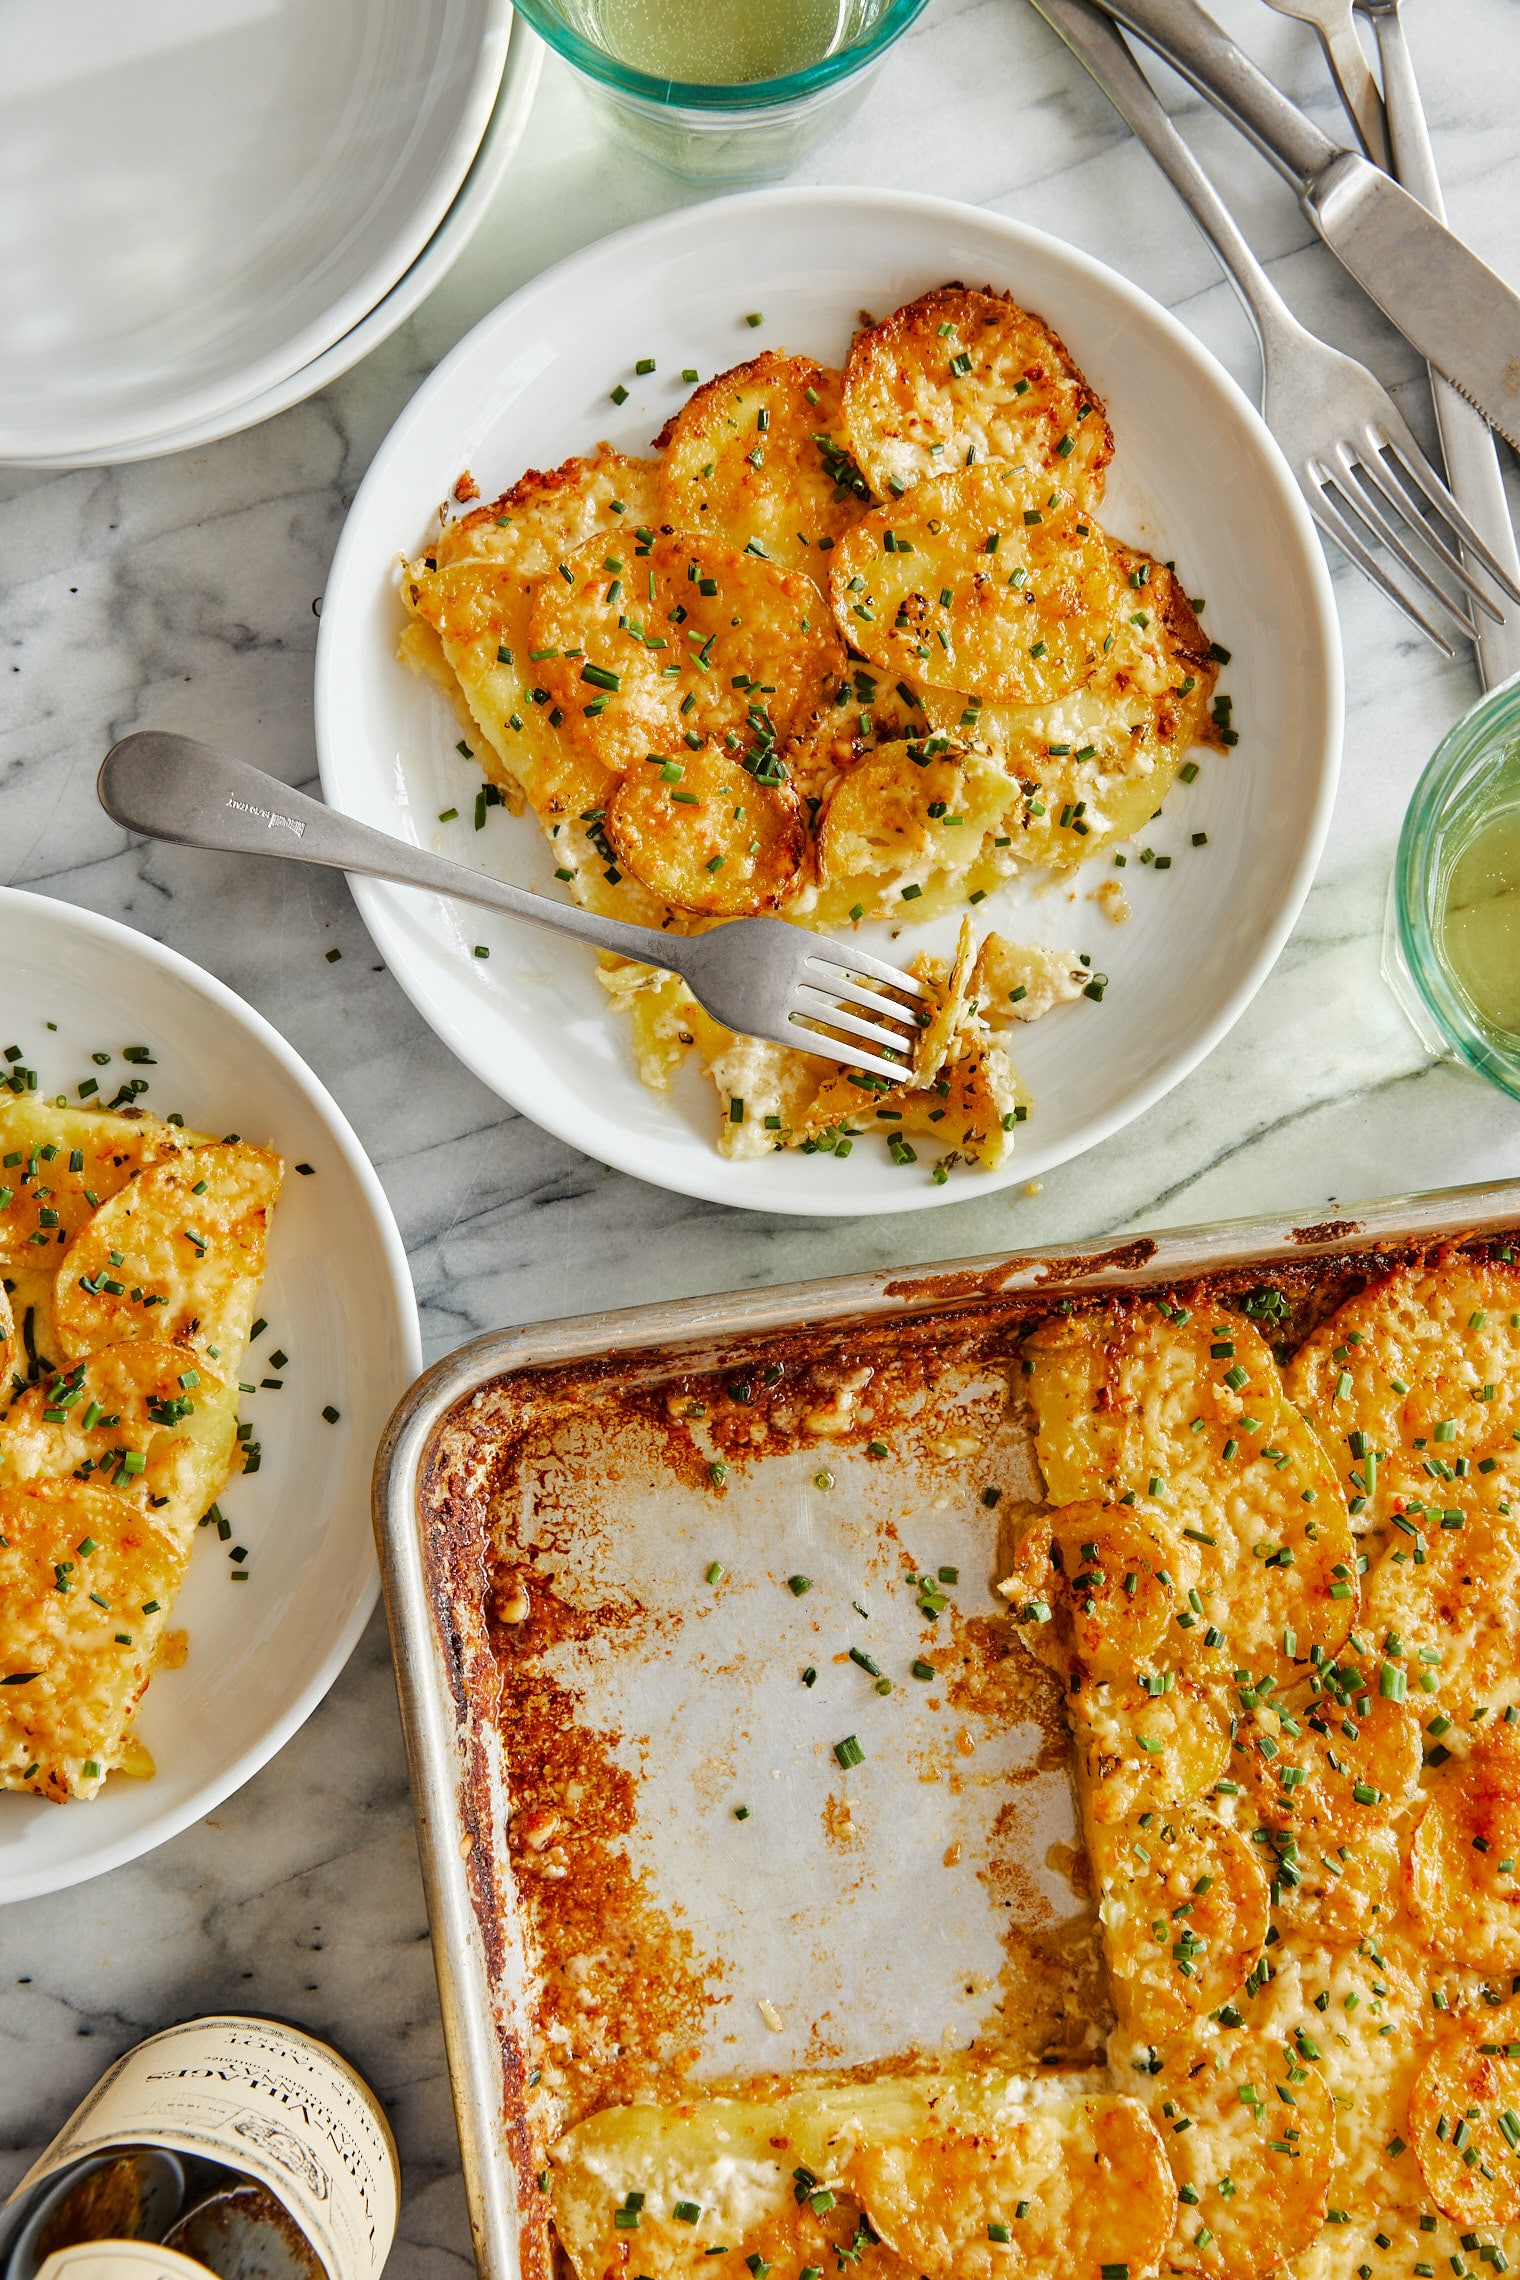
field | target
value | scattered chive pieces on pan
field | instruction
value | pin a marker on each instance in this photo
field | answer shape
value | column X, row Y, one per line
column 715, row 1572
column 849, row 1752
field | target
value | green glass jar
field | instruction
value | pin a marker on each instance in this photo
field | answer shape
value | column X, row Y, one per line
column 717, row 91
column 1451, row 944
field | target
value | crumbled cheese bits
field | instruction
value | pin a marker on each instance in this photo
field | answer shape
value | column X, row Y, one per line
column 132, row 1253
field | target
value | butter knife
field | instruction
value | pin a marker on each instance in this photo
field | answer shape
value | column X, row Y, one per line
column 1472, row 462
column 1458, row 313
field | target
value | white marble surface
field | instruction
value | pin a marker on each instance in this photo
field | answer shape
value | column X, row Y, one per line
column 180, row 594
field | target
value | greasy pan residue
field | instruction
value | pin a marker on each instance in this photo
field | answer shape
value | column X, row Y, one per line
column 610, row 1547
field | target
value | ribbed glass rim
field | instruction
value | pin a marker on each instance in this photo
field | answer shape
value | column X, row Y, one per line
column 696, row 95
column 1482, row 740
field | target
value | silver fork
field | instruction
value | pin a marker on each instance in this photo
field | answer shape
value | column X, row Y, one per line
column 1357, row 464
column 758, row 976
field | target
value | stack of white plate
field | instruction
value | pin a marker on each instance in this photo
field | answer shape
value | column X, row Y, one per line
column 211, row 208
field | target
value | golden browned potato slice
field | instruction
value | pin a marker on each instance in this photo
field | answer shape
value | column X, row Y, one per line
column 969, row 1111
column 1184, row 1908
column 956, row 373
column 58, row 1164
column 177, row 1255
column 939, row 1038
column 153, row 1420
column 86, row 1578
column 708, row 2189
column 1428, row 1353
column 1191, row 1413
column 1453, row 1610
column 1137, row 1752
column 1094, row 766
column 758, row 455
column 687, row 618
column 982, row 581
column 1235, row 2094
column 475, row 585
column 705, row 836
column 902, row 830
column 1469, row 2160
column 1067, row 2193
column 1462, row 1877
column 1095, row 1587
column 1326, row 1775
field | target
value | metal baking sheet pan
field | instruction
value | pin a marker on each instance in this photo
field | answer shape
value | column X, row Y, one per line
column 658, row 1854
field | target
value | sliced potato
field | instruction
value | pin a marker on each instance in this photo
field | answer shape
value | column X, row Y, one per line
column 1448, row 1330
column 1129, row 1400
column 86, row 1579
column 756, row 654
column 1184, row 1908
column 939, row 1038
column 1327, row 1775
column 1020, row 981
column 1462, row 1877
column 58, row 1164
column 1034, row 587
column 1234, row 2093
column 1094, row 766
column 1453, row 1610
column 902, row 829
column 175, row 1256
column 759, row 453
column 474, row 585
column 140, row 1400
column 1137, row 1752
column 1470, row 2163
column 1087, row 1588
column 712, row 840
column 1067, row 2193
column 969, row 1111
column 958, row 372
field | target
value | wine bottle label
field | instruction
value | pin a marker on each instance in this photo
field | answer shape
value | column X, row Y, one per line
column 119, row 2260
column 261, row 2098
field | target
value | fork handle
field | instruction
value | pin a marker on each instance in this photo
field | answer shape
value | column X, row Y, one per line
column 176, row 788
column 1193, row 44
column 1097, row 43
column 1467, row 442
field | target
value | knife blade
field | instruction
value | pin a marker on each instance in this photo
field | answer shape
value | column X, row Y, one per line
column 1472, row 463
column 1456, row 311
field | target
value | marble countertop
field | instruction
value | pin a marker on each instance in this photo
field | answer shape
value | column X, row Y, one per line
column 180, row 594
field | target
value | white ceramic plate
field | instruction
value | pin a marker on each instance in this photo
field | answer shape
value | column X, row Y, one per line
column 525, row 55
column 198, row 197
column 1195, row 476
column 339, row 1302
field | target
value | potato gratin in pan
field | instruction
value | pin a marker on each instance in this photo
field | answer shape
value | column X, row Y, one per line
column 1008, row 1771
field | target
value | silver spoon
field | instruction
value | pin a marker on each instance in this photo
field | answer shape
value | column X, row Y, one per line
column 1334, row 21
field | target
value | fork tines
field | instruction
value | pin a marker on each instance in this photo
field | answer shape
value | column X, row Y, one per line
column 823, row 1007
column 1384, row 494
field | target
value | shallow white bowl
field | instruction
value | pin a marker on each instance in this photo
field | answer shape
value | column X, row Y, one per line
column 338, row 1299
column 1196, row 477
column 198, row 197
column 498, row 145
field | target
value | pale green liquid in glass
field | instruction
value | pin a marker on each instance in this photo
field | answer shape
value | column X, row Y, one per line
column 1479, row 925
column 723, row 42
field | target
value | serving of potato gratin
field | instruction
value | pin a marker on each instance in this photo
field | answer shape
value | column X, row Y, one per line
column 1279, row 1592
column 855, row 645
column 132, row 1252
